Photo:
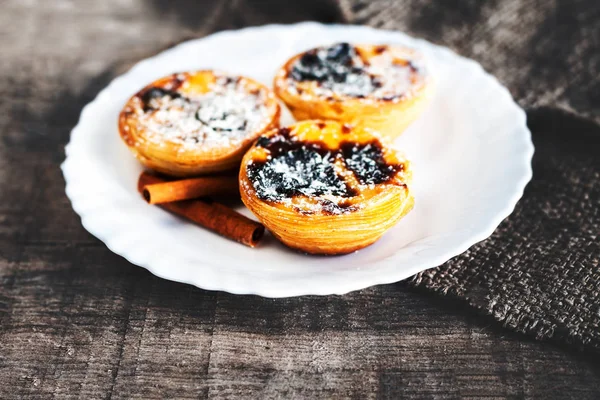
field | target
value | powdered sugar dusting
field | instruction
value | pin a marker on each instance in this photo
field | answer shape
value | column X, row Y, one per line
column 224, row 116
column 314, row 179
column 301, row 171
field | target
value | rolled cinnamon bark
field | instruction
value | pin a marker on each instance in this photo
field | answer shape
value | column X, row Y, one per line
column 214, row 216
column 186, row 189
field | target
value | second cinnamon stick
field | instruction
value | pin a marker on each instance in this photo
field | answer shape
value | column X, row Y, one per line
column 214, row 216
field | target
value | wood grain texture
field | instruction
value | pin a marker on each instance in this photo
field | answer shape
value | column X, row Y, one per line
column 77, row 321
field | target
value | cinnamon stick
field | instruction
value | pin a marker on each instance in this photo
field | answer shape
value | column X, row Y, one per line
column 193, row 188
column 214, row 216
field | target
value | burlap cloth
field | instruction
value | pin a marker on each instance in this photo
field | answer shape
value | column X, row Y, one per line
column 538, row 273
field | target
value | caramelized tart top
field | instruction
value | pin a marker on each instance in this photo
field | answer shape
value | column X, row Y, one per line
column 346, row 71
column 200, row 110
column 322, row 167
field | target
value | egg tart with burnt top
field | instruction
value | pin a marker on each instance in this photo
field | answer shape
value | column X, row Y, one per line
column 198, row 122
column 324, row 187
column 382, row 87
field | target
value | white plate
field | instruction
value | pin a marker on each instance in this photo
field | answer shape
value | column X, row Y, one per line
column 471, row 153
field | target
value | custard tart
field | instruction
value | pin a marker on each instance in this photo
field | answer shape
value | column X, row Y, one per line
column 324, row 187
column 195, row 123
column 381, row 87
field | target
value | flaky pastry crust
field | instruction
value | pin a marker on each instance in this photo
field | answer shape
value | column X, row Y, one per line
column 324, row 187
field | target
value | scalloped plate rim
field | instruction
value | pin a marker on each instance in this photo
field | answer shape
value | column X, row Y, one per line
column 477, row 234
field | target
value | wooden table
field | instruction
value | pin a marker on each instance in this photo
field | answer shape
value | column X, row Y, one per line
column 77, row 321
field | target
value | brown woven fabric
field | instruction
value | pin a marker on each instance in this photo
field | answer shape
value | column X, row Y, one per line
column 539, row 272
